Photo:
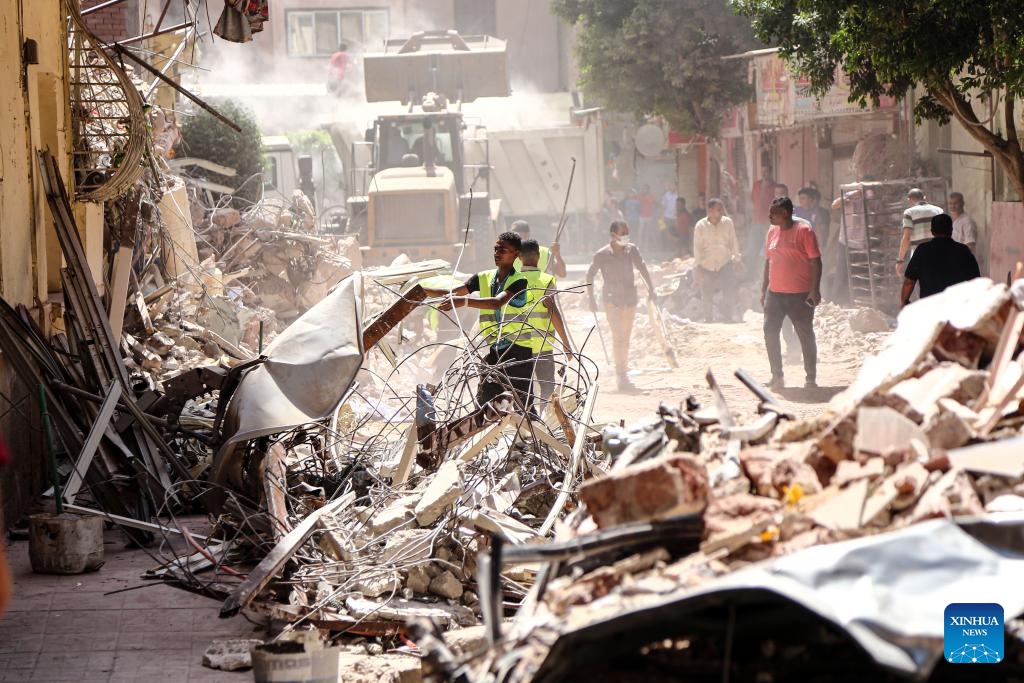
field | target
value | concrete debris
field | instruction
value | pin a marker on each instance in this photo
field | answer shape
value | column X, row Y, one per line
column 444, row 489
column 905, row 443
column 446, row 585
column 665, row 487
column 361, row 507
column 865, row 320
column 230, row 655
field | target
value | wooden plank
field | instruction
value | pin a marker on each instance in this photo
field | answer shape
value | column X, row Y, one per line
column 271, row 565
column 554, row 443
column 118, row 292
column 99, row 426
column 1004, row 354
column 405, row 464
column 568, row 484
column 275, row 482
column 389, row 319
column 486, row 438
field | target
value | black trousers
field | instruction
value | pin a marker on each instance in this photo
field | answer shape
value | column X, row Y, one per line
column 512, row 368
column 778, row 307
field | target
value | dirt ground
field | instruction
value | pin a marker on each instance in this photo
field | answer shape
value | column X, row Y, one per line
column 723, row 348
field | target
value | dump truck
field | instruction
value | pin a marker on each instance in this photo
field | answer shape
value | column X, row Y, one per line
column 530, row 169
column 410, row 187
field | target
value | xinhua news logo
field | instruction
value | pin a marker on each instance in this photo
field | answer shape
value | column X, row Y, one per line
column 974, row 633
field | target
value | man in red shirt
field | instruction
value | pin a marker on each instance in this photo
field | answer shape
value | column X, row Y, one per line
column 647, row 228
column 791, row 287
column 336, row 83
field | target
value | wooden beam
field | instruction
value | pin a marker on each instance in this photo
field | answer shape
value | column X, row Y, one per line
column 274, row 562
column 275, row 483
column 118, row 292
column 389, row 319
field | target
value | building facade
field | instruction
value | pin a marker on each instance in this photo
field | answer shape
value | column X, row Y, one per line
column 301, row 36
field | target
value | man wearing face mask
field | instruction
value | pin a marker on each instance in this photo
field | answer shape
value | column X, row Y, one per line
column 616, row 262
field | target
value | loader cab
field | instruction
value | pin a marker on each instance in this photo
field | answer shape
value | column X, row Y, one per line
column 401, row 135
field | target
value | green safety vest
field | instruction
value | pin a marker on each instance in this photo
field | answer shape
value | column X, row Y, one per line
column 509, row 323
column 538, row 315
column 542, row 262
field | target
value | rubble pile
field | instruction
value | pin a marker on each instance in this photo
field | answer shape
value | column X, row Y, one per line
column 271, row 255
column 930, row 430
column 376, row 513
column 841, row 330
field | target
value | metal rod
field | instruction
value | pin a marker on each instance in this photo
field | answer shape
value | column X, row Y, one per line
column 101, row 6
column 170, row 61
column 565, row 204
column 494, row 595
column 163, row 13
column 600, row 336
column 156, row 72
column 51, row 451
column 154, row 34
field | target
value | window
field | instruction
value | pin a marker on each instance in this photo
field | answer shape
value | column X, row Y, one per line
column 475, row 17
column 318, row 33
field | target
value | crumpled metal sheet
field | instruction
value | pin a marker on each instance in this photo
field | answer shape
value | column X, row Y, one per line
column 887, row 592
column 310, row 367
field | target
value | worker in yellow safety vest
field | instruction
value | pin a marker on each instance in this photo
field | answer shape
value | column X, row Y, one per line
column 544, row 317
column 501, row 299
column 550, row 260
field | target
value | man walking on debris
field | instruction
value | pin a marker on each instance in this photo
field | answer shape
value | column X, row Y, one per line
column 916, row 222
column 717, row 255
column 965, row 230
column 544, row 317
column 550, row 258
column 790, row 288
column 938, row 263
column 502, row 304
column 616, row 262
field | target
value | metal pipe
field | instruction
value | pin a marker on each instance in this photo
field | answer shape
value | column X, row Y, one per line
column 154, row 34
column 156, row 72
column 51, row 451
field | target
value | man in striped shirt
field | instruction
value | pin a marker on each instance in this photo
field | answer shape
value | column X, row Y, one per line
column 917, row 225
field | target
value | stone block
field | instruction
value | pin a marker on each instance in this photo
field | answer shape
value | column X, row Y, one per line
column 667, row 486
column 444, row 489
column 447, row 585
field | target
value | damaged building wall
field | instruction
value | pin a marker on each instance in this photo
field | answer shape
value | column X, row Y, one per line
column 33, row 113
column 116, row 22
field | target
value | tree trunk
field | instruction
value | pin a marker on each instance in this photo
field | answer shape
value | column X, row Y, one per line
column 1005, row 150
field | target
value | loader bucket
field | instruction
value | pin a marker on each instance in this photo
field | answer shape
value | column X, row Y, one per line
column 462, row 68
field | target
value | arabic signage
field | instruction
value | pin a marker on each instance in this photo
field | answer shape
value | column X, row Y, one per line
column 836, row 101
column 774, row 92
column 784, row 99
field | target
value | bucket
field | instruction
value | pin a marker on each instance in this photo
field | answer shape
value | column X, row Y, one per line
column 294, row 662
column 65, row 544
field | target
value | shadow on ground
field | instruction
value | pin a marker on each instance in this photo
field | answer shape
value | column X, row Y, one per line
column 801, row 395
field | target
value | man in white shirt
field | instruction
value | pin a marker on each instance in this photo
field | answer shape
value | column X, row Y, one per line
column 717, row 254
column 965, row 230
column 917, row 225
column 668, row 203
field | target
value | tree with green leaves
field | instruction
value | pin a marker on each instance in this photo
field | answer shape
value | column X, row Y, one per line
column 205, row 137
column 662, row 57
column 967, row 55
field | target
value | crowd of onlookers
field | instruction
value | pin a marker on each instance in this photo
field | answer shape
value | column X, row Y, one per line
column 785, row 255
column 663, row 224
